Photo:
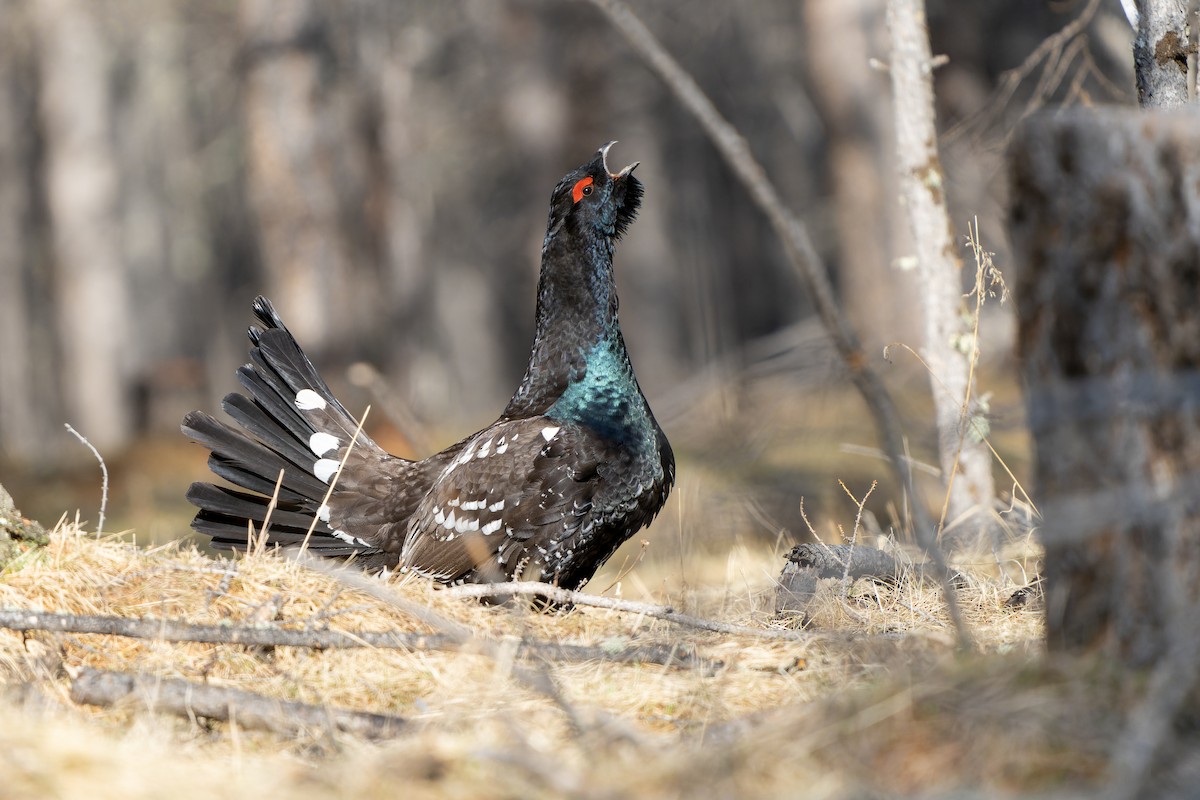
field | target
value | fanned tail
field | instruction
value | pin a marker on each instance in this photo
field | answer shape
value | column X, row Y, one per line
column 290, row 422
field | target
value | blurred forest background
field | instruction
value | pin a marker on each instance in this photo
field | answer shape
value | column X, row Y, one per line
column 382, row 170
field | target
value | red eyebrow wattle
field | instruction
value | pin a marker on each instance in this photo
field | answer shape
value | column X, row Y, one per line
column 577, row 189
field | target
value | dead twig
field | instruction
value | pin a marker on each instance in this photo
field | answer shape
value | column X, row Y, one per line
column 173, row 630
column 557, row 594
column 103, row 476
column 246, row 709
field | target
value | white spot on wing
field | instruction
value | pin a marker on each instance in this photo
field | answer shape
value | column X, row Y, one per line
column 324, row 469
column 308, row 400
column 438, row 516
column 474, row 505
column 323, row 513
column 497, row 506
column 501, row 446
column 345, row 537
column 548, row 432
column 485, row 449
column 448, row 523
column 465, row 524
column 491, row 528
column 322, row 443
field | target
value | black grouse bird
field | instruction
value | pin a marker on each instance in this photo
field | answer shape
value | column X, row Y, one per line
column 574, row 466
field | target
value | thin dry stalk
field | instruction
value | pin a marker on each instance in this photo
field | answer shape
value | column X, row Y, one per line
column 312, row 526
column 103, row 478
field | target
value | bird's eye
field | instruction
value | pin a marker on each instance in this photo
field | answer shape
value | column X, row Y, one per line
column 581, row 189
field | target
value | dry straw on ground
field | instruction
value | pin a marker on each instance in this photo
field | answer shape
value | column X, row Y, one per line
column 875, row 699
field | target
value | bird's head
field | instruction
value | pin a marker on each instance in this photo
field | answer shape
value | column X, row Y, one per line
column 593, row 201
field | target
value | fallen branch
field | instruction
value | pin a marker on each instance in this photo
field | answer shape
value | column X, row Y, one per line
column 559, row 595
column 808, row 564
column 844, row 561
column 539, row 680
column 246, row 709
column 172, row 630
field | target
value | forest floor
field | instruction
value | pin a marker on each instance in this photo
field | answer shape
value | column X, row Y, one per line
column 871, row 698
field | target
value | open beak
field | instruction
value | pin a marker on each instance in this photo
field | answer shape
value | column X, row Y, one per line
column 624, row 173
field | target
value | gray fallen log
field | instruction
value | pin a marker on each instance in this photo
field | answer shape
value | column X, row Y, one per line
column 809, row 563
column 247, row 709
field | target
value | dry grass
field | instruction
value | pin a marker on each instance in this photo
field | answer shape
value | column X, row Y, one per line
column 877, row 702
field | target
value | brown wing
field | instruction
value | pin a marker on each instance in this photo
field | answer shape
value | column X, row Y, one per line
column 375, row 494
column 507, row 504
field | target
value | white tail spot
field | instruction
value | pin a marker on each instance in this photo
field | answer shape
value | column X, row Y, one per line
column 548, row 433
column 308, row 400
column 322, row 443
column 325, row 468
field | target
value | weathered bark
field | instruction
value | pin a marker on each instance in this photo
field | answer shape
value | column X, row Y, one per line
column 809, row 563
column 83, row 194
column 1104, row 210
column 1160, row 53
column 965, row 460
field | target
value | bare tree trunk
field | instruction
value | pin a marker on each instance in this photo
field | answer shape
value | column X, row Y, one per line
column 1160, row 53
column 965, row 461
column 842, row 36
column 83, row 188
column 294, row 130
column 1103, row 214
column 22, row 432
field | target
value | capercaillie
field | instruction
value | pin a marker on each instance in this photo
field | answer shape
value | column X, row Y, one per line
column 574, row 466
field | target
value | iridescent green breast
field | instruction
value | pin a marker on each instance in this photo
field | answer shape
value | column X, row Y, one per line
column 607, row 399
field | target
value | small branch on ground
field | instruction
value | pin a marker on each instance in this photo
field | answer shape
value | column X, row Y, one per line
column 245, row 709
column 172, row 630
column 557, row 594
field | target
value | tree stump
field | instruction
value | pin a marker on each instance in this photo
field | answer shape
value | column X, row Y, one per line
column 1106, row 226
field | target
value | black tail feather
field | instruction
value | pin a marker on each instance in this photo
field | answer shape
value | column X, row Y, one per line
column 233, row 533
column 250, row 456
column 251, row 416
column 278, row 426
column 279, row 407
column 219, row 500
column 238, row 476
